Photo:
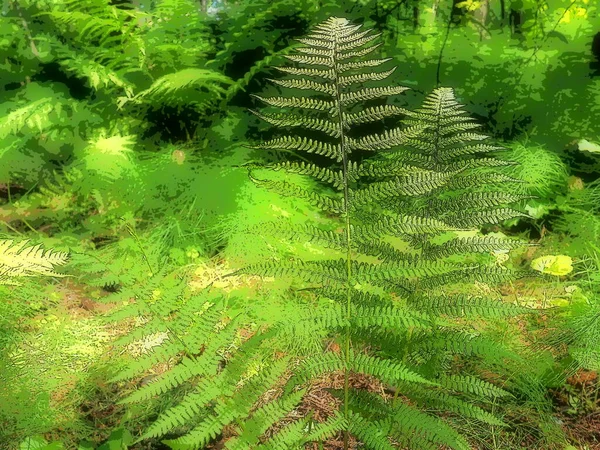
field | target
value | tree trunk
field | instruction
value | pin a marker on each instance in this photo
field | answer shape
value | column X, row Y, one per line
column 430, row 17
column 481, row 16
column 514, row 20
column 415, row 10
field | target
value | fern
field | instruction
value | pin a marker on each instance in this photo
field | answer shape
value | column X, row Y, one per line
column 395, row 232
column 166, row 86
column 413, row 197
column 34, row 115
column 108, row 27
column 106, row 158
column 20, row 260
column 219, row 364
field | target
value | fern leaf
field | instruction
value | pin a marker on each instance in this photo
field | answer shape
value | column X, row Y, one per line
column 322, row 202
column 353, row 42
column 410, row 185
column 298, row 102
column 325, row 88
column 478, row 218
column 387, row 140
column 361, row 78
column 386, row 370
column 290, row 437
column 472, row 385
column 358, row 53
column 473, row 244
column 474, row 200
column 311, row 271
column 302, row 144
column 33, row 115
column 466, row 306
column 413, row 424
column 316, row 366
column 400, row 226
column 164, row 87
column 288, row 120
column 373, row 434
column 309, row 60
column 326, row 175
column 324, row 430
column 356, row 65
column 350, row 98
column 20, row 260
column 262, row 419
column 302, row 233
column 326, row 74
column 231, row 409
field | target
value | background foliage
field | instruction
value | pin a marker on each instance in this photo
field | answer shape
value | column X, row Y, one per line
column 120, row 116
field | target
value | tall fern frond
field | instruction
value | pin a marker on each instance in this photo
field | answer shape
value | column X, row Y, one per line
column 385, row 292
column 395, row 205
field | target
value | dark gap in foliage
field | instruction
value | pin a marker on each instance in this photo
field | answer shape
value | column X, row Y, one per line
column 584, row 165
column 457, row 16
column 526, row 225
column 595, row 63
column 294, row 25
column 156, row 445
column 242, row 98
column 53, row 72
column 242, row 62
column 16, row 191
column 112, row 288
column 12, row 86
column 216, row 250
column 517, row 127
column 172, row 123
column 515, row 20
column 101, row 241
column 121, row 4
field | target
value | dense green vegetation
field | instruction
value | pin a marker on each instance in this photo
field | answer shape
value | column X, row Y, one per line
column 183, row 267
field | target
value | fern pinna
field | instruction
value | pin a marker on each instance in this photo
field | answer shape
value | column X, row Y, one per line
column 405, row 213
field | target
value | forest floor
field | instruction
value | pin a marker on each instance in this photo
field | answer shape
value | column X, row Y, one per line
column 73, row 330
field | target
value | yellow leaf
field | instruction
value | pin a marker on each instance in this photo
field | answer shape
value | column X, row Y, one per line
column 553, row 265
column 559, row 301
column 566, row 18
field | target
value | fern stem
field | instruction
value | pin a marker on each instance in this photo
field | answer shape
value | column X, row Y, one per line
column 10, row 227
column 404, row 358
column 22, row 219
column 348, row 253
column 132, row 232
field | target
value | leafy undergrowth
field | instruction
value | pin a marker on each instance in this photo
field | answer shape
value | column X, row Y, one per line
column 61, row 353
column 66, row 347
